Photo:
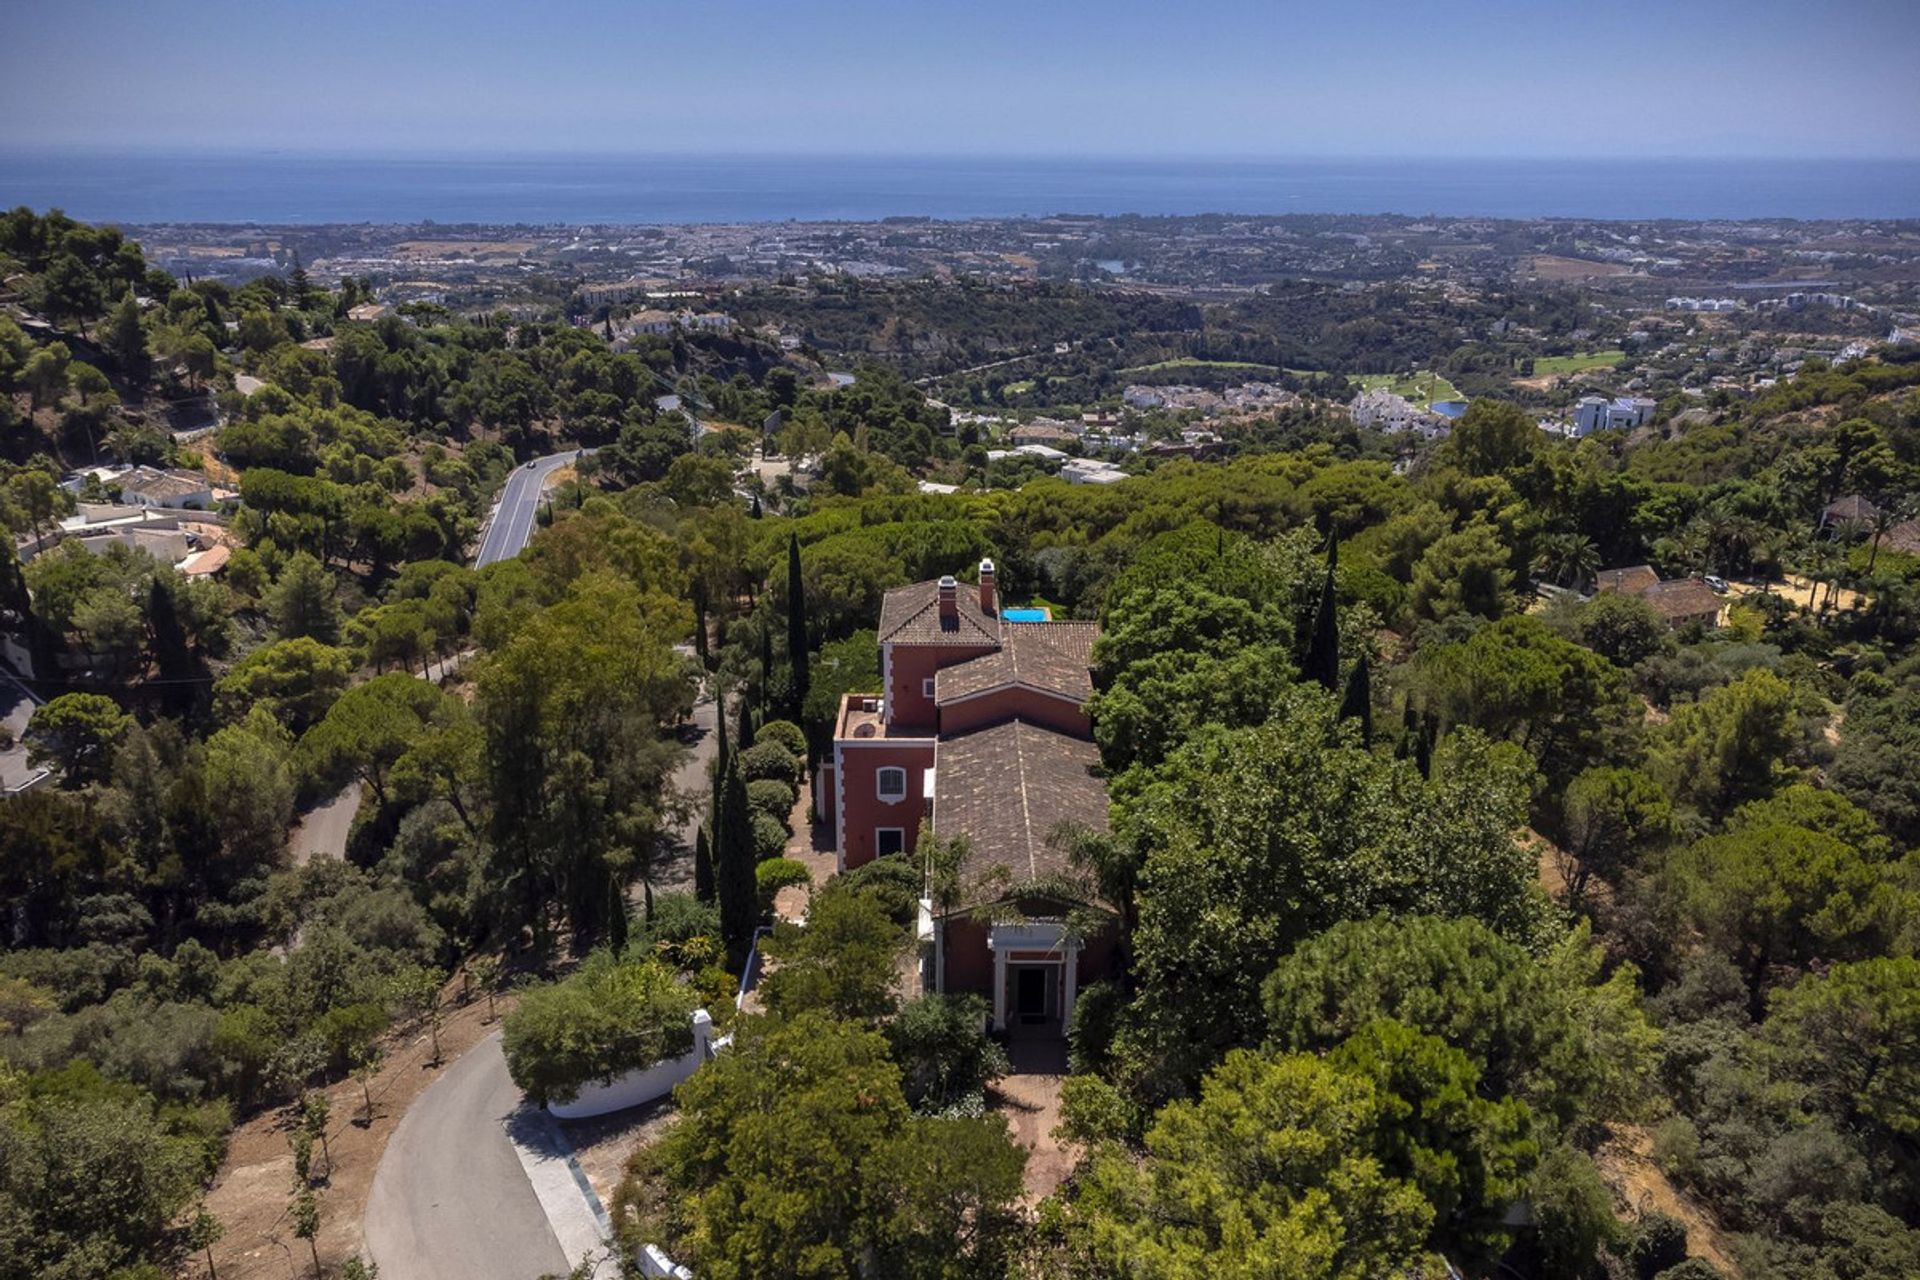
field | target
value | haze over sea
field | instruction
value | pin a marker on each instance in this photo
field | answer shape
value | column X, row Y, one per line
column 300, row 188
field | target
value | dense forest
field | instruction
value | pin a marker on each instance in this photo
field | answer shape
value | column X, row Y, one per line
column 1433, row 894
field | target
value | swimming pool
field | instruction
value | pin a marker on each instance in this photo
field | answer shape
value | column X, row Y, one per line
column 1027, row 615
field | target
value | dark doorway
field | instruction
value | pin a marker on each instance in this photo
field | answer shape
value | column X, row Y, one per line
column 1030, row 994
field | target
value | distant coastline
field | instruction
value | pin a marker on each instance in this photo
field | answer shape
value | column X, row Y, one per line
column 292, row 188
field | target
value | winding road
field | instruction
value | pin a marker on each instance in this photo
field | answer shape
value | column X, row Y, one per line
column 512, row 524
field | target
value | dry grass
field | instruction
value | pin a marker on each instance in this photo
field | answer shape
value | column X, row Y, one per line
column 1546, row 266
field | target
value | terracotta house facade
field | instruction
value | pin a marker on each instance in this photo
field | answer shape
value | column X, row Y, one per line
column 980, row 730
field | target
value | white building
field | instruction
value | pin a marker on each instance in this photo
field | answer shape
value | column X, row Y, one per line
column 1393, row 414
column 1622, row 413
column 150, row 487
column 1091, row 471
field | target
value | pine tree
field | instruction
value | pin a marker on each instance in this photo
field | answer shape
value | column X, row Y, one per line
column 1358, row 703
column 796, row 626
column 734, row 863
column 703, row 864
column 1323, row 652
column 127, row 340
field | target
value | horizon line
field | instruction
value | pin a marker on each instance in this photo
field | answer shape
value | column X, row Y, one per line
column 522, row 153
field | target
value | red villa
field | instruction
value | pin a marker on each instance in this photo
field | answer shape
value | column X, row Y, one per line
column 982, row 728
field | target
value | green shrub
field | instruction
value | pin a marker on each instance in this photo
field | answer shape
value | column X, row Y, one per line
column 683, row 930
column 943, row 1049
column 1692, row 1269
column 610, row 1017
column 772, row 797
column 769, row 837
column 786, row 733
column 1096, row 1016
column 1658, row 1243
column 893, row 881
column 775, row 874
column 769, row 760
column 1093, row 1111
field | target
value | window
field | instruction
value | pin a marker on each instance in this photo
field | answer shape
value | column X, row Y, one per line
column 891, row 783
column 888, row 840
column 926, row 688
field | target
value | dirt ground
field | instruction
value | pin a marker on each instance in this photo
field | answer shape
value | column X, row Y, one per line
column 1029, row 1098
column 1549, row 267
column 252, row 1191
column 1627, row 1165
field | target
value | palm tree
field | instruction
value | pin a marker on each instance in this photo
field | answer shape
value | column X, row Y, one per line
column 1823, row 563
column 1566, row 558
column 1888, row 514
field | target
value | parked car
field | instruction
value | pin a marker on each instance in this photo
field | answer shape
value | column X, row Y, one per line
column 1718, row 584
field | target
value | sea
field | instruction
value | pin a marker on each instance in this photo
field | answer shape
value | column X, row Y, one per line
column 547, row 190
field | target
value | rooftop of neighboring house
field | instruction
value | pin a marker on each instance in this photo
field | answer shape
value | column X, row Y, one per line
column 1630, row 581
column 1681, row 599
column 1008, row 789
column 1904, row 537
column 1851, row 507
column 152, row 483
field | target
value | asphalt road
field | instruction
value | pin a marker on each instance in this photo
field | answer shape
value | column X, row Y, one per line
column 512, row 524
column 450, row 1200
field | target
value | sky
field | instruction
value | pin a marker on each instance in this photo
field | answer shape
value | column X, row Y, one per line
column 1169, row 78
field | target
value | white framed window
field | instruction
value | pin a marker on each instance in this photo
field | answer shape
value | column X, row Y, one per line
column 888, row 840
column 926, row 688
column 891, row 783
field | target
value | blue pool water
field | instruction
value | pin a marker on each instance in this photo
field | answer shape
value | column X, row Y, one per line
column 1449, row 408
column 1026, row 615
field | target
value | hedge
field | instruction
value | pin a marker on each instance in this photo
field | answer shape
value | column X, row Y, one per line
column 610, row 1017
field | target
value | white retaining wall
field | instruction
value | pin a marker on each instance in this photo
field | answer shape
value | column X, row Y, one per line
column 642, row 1086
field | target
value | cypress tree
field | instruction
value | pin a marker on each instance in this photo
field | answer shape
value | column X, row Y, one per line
column 703, row 864
column 796, row 626
column 766, row 662
column 755, row 511
column 700, row 624
column 1358, row 704
column 733, row 863
column 1323, row 651
column 172, row 657
column 745, row 735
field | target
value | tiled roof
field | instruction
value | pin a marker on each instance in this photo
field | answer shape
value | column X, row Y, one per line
column 1007, row 788
column 1050, row 656
column 1851, row 507
column 154, row 483
column 1630, row 581
column 911, row 615
column 1904, row 537
column 1682, row 598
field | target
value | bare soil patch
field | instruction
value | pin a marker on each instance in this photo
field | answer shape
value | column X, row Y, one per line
column 1548, row 266
column 1627, row 1164
column 254, row 1187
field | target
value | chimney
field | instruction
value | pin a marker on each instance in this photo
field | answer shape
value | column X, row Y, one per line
column 949, row 602
column 986, row 587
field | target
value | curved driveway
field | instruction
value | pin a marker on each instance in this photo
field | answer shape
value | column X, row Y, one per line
column 450, row 1200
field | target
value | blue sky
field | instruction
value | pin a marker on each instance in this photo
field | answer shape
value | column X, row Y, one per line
column 1042, row 77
